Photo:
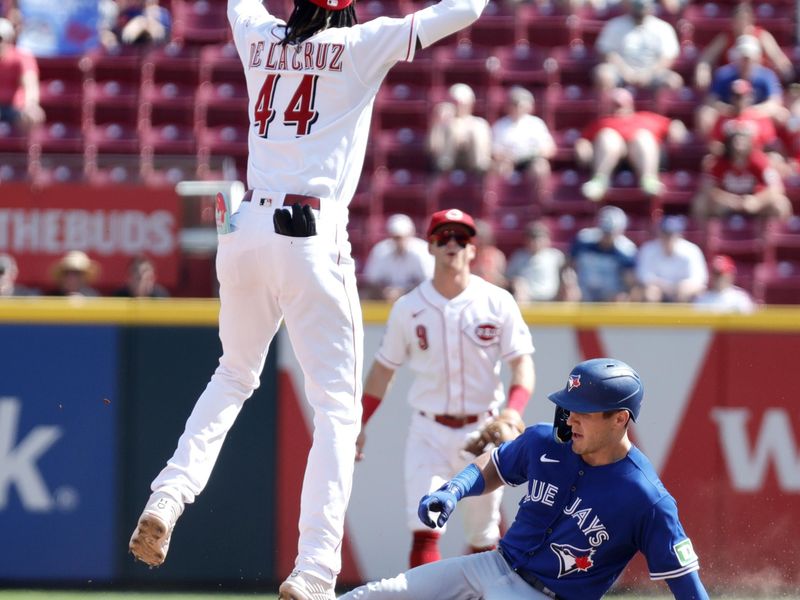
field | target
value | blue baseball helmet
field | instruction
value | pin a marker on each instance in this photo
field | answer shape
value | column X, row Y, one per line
column 599, row 385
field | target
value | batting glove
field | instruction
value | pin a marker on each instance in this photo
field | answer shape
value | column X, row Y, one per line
column 442, row 501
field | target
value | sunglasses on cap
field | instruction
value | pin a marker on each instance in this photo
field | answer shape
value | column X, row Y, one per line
column 442, row 236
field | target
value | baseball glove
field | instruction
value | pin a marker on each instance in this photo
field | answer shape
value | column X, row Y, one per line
column 506, row 426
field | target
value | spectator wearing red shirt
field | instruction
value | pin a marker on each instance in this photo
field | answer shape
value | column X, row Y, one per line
column 741, row 181
column 625, row 133
column 744, row 118
column 19, row 82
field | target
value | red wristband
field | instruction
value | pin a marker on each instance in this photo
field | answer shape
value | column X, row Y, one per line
column 369, row 404
column 518, row 398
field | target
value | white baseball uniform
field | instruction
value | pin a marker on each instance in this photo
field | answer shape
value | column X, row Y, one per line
column 309, row 111
column 455, row 348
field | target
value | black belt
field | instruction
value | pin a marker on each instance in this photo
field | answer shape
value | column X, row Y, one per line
column 289, row 199
column 531, row 579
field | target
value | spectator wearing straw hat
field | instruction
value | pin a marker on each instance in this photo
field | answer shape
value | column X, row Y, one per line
column 74, row 274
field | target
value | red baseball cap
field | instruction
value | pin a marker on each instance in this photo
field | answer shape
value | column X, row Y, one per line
column 451, row 215
column 722, row 263
column 332, row 4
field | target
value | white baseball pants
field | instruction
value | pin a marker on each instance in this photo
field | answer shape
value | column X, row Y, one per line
column 434, row 454
column 484, row 576
column 310, row 282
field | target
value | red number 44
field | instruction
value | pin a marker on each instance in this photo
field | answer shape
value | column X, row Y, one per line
column 299, row 112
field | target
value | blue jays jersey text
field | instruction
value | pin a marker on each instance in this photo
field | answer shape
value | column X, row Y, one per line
column 578, row 526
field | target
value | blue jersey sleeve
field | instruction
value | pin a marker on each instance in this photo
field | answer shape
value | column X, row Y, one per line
column 666, row 547
column 511, row 459
column 688, row 587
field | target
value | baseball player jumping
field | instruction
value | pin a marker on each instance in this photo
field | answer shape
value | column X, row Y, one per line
column 593, row 500
column 453, row 330
column 285, row 255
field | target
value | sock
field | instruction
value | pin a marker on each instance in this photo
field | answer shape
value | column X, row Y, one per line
column 424, row 548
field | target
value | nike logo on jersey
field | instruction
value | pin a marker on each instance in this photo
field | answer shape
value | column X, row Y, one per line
column 544, row 459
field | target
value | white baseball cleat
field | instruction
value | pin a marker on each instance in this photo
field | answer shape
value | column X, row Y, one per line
column 302, row 586
column 150, row 540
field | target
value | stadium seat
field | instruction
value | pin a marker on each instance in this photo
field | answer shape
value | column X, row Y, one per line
column 516, row 190
column 777, row 283
column 565, row 197
column 681, row 187
column 465, row 63
column 57, row 136
column 575, row 61
column 372, row 9
column 570, row 107
column 625, row 192
column 679, row 104
column 497, row 28
column 220, row 63
column 47, row 168
column 783, row 240
column 404, row 192
column 742, row 239
column 527, row 66
column 404, row 149
column 547, row 29
column 402, row 107
column 418, row 73
column 459, row 189
column 14, row 165
column 200, row 22
column 13, row 139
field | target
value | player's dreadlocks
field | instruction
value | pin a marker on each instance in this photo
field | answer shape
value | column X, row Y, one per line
column 308, row 19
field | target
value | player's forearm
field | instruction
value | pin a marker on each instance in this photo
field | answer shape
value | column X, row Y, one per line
column 446, row 17
column 491, row 480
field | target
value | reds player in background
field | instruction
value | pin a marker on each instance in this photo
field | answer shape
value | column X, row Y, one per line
column 453, row 330
column 593, row 500
column 285, row 255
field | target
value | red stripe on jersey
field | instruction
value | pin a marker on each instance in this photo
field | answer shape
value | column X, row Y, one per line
column 410, row 37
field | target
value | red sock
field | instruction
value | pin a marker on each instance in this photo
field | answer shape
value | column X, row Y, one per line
column 425, row 548
column 478, row 550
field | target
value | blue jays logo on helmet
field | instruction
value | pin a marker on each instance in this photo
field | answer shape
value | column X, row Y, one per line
column 574, row 382
column 599, row 385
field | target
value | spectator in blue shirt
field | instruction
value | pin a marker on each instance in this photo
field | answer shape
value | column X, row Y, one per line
column 604, row 259
column 767, row 89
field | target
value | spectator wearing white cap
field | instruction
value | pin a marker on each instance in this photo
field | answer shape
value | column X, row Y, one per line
column 459, row 139
column 720, row 49
column 766, row 87
column 604, row 258
column 19, row 82
column 521, row 141
column 637, row 49
column 398, row 263
column 670, row 268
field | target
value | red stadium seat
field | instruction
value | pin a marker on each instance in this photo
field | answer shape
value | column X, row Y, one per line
column 566, row 197
column 525, row 65
column 57, row 167
column 200, row 22
column 14, row 165
column 459, row 189
column 55, row 136
column 464, row 63
column 681, row 187
column 13, row 139
column 570, row 107
column 402, row 107
column 220, row 64
column 742, row 239
column 497, row 28
column 404, row 149
column 783, row 240
column 576, row 62
column 404, row 192
column 777, row 283
column 548, row 30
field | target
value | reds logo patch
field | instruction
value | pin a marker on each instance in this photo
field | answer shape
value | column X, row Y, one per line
column 574, row 382
column 487, row 331
column 572, row 559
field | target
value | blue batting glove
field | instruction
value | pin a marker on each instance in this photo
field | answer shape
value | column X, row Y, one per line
column 442, row 501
